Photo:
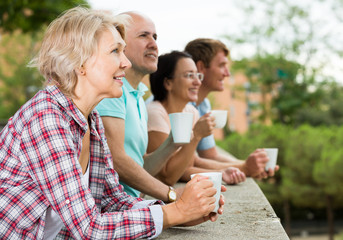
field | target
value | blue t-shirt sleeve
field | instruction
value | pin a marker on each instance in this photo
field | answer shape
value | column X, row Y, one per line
column 206, row 143
column 112, row 107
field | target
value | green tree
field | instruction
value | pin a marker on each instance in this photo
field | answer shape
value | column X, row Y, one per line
column 328, row 109
column 18, row 83
column 291, row 29
column 275, row 78
column 327, row 173
column 30, row 16
column 303, row 150
column 310, row 163
column 21, row 25
column 289, row 53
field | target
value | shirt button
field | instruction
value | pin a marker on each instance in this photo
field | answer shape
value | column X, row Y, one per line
column 67, row 201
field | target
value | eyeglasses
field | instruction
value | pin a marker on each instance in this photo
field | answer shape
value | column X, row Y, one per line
column 194, row 75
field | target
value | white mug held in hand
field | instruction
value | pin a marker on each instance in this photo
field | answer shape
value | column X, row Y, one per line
column 272, row 155
column 181, row 126
column 220, row 118
column 216, row 178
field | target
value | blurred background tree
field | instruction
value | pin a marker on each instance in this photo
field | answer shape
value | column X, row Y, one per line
column 22, row 24
column 310, row 160
column 32, row 15
column 291, row 53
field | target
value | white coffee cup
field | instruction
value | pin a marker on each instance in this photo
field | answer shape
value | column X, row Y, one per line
column 181, row 126
column 216, row 178
column 220, row 117
column 272, row 155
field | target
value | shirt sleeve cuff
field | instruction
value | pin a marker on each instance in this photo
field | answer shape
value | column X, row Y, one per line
column 156, row 212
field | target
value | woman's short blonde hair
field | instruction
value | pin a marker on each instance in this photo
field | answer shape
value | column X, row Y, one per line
column 69, row 41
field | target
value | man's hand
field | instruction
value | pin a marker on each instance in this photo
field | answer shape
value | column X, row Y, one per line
column 269, row 173
column 255, row 164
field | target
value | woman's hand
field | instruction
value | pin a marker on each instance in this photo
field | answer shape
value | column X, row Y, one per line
column 197, row 199
column 232, row 175
column 204, row 126
column 212, row 216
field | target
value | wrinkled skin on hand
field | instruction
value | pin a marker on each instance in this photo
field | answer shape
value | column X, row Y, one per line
column 204, row 213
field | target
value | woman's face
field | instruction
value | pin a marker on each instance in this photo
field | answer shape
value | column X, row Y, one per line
column 105, row 69
column 185, row 83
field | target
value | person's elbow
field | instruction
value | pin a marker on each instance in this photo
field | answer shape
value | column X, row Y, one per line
column 167, row 178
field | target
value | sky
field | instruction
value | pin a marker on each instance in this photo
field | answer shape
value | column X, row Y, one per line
column 177, row 21
column 180, row 21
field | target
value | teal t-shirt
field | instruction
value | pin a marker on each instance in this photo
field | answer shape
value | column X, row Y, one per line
column 130, row 107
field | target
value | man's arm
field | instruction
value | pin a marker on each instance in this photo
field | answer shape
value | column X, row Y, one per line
column 212, row 153
column 231, row 175
column 157, row 158
column 178, row 162
column 129, row 171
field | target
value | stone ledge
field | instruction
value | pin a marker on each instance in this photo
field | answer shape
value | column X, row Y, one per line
column 247, row 215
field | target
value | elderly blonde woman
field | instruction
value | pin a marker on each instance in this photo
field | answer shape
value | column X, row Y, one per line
column 56, row 173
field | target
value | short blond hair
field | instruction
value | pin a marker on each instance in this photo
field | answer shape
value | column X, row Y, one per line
column 69, row 41
column 205, row 49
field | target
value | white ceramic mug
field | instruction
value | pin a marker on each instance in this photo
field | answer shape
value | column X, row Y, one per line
column 220, row 117
column 272, row 155
column 181, row 126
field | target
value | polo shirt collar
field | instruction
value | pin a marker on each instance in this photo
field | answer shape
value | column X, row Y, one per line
column 139, row 92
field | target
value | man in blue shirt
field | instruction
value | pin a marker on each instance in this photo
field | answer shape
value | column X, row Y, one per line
column 125, row 118
column 211, row 58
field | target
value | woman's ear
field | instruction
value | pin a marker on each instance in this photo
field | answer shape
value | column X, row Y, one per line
column 167, row 83
column 80, row 71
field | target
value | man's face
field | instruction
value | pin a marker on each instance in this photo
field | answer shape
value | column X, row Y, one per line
column 216, row 73
column 141, row 48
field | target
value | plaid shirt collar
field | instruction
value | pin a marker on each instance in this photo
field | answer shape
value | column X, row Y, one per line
column 71, row 108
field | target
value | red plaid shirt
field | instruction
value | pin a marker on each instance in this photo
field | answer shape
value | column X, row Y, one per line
column 39, row 168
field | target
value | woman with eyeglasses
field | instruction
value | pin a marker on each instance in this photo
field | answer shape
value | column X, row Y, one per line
column 176, row 83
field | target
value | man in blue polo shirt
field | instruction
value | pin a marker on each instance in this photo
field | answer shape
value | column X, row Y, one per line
column 125, row 118
column 211, row 58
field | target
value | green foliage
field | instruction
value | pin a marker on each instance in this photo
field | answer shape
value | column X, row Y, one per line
column 29, row 16
column 328, row 169
column 18, row 82
column 288, row 52
column 290, row 29
column 303, row 150
column 310, row 160
column 260, row 136
column 328, row 107
column 21, row 25
column 277, row 77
